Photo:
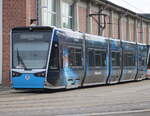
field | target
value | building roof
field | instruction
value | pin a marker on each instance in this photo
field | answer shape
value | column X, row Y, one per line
column 146, row 15
column 124, row 10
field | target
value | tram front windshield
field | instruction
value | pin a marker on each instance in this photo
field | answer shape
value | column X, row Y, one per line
column 30, row 49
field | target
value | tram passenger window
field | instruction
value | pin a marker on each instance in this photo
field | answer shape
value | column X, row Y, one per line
column 54, row 59
column 143, row 61
column 148, row 63
column 129, row 59
column 100, row 58
column 75, row 57
column 115, row 59
column 97, row 58
column 91, row 57
column 103, row 58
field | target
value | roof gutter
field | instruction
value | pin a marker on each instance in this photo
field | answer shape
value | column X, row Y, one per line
column 120, row 9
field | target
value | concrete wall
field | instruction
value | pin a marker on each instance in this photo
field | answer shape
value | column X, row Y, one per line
column 82, row 17
column 1, row 41
column 124, row 28
column 131, row 29
column 107, row 28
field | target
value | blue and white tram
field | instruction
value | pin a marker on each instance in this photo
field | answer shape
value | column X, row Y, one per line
column 48, row 57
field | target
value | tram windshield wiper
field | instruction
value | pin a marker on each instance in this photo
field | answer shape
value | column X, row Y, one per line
column 20, row 61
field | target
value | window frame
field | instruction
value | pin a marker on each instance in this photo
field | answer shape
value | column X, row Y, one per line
column 69, row 17
column 49, row 12
column 45, row 13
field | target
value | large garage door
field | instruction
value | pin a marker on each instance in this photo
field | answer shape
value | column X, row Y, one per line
column 0, row 41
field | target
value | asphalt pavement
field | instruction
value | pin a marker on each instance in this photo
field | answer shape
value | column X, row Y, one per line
column 128, row 99
column 4, row 88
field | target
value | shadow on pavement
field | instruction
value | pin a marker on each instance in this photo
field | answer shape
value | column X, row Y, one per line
column 51, row 91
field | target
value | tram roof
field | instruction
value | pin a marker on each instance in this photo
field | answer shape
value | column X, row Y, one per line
column 32, row 27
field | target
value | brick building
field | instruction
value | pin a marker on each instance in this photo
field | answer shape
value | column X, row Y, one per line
column 15, row 13
column 79, row 15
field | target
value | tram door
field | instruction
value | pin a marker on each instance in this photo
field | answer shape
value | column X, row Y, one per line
column 72, row 69
column 148, row 69
column 148, row 63
column 115, row 61
column 71, row 58
column 0, row 41
column 115, row 66
column 53, row 68
column 142, row 62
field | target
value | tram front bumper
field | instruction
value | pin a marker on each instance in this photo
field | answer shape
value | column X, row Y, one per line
column 28, row 81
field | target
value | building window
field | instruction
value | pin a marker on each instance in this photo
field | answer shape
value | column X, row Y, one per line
column 48, row 12
column 67, row 15
column 52, row 12
column 57, row 13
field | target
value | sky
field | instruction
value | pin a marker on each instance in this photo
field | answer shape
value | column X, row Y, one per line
column 138, row 6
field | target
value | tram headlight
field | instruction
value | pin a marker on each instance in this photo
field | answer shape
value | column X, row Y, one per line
column 16, row 74
column 40, row 74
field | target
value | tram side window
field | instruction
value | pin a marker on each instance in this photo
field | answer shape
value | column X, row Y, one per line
column 91, row 57
column 115, row 58
column 148, row 63
column 129, row 59
column 75, row 57
column 103, row 59
column 54, row 59
column 97, row 58
column 100, row 58
column 143, row 61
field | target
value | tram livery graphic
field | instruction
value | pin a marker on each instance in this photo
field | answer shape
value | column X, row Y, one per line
column 48, row 57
